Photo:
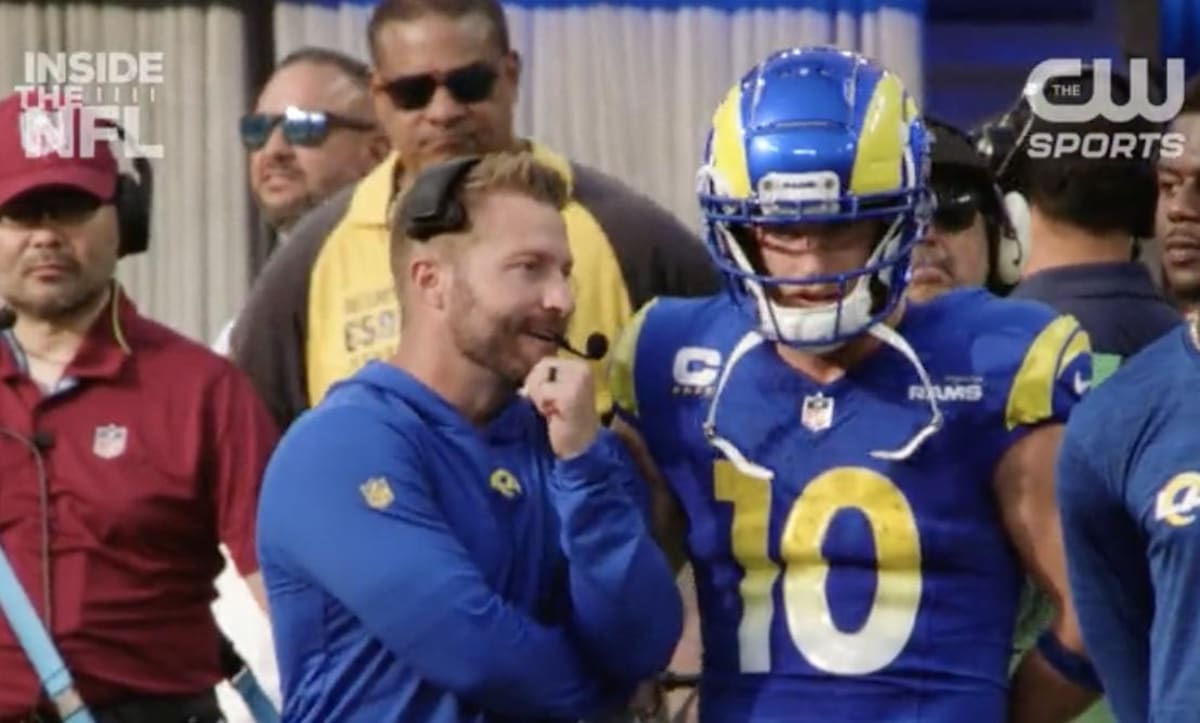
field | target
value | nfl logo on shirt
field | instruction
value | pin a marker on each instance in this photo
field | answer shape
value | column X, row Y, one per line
column 817, row 413
column 109, row 441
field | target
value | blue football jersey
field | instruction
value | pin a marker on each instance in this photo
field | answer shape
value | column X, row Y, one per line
column 1129, row 491
column 835, row 585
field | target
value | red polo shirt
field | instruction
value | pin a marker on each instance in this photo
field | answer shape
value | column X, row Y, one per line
column 154, row 451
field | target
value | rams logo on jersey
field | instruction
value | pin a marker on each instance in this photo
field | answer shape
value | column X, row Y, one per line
column 506, row 483
column 1179, row 500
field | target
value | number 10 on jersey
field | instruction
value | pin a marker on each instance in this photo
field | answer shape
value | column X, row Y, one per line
column 810, row 622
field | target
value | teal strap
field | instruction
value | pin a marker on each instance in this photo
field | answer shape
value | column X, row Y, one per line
column 52, row 673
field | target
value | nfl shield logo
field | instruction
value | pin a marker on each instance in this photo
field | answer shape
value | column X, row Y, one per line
column 817, row 412
column 109, row 441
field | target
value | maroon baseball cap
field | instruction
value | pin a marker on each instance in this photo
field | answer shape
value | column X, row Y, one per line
column 26, row 163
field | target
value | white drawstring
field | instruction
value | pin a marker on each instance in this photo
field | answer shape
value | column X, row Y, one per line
column 892, row 338
column 882, row 332
column 724, row 446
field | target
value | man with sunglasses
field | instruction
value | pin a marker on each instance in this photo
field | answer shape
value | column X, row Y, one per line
column 961, row 246
column 312, row 132
column 444, row 85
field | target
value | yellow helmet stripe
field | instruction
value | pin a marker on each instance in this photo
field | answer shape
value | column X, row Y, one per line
column 877, row 160
column 728, row 145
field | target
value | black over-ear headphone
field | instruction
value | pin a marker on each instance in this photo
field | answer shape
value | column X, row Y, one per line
column 1004, row 251
column 999, row 142
column 1004, row 141
column 432, row 207
column 133, row 200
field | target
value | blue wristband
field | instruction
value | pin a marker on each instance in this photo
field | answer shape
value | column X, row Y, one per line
column 1070, row 665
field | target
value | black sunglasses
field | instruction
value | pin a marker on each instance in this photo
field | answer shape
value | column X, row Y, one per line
column 469, row 84
column 300, row 127
column 955, row 208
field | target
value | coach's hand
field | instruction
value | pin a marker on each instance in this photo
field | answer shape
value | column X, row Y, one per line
column 649, row 702
column 564, row 392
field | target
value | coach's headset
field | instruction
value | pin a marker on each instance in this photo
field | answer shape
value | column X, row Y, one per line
column 1004, row 142
column 431, row 207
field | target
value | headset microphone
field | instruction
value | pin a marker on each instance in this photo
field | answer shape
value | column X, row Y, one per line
column 594, row 348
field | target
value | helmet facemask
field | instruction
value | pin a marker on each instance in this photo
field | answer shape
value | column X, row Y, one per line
column 867, row 295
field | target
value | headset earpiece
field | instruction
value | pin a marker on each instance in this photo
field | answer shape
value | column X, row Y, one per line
column 1012, row 249
column 133, row 200
column 133, row 209
column 1002, row 143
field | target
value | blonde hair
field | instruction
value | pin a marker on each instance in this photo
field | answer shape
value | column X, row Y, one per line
column 517, row 172
column 514, row 172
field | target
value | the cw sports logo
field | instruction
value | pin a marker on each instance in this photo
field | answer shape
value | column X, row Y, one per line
column 1055, row 95
column 1179, row 500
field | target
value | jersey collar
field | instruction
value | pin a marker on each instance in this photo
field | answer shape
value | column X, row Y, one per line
column 103, row 352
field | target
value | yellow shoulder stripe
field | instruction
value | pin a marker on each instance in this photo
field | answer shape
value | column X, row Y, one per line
column 621, row 365
column 1031, row 398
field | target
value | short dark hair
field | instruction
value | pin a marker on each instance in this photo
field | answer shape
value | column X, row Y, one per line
column 356, row 70
column 1101, row 195
column 409, row 10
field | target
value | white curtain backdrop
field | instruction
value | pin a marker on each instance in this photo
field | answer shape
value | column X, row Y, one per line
column 629, row 85
column 626, row 86
column 197, row 271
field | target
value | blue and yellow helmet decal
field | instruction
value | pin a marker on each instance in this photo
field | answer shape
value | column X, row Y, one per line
column 818, row 135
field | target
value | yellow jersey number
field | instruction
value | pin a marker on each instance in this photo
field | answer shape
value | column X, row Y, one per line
column 893, row 612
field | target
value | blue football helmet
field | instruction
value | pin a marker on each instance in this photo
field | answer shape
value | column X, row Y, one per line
column 816, row 135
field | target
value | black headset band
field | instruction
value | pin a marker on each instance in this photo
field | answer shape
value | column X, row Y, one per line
column 431, row 207
column 134, row 196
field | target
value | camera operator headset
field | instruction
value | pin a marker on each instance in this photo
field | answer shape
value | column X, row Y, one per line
column 957, row 162
column 132, row 199
column 1005, row 144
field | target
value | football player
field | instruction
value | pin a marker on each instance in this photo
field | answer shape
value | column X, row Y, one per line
column 859, row 484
